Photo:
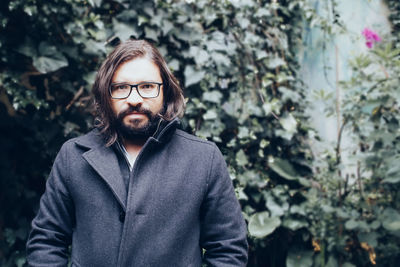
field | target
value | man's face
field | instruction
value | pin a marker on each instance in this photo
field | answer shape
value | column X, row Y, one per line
column 137, row 116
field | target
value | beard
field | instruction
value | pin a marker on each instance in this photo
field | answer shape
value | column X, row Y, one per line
column 136, row 128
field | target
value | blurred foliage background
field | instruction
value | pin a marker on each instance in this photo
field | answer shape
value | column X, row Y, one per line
column 238, row 64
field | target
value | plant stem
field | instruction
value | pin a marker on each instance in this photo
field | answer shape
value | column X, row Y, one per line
column 337, row 89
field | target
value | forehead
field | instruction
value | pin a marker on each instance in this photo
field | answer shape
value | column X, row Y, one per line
column 137, row 70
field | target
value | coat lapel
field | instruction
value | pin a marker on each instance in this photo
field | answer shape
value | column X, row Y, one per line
column 104, row 161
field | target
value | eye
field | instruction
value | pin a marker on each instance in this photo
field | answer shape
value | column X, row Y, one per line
column 147, row 86
column 121, row 87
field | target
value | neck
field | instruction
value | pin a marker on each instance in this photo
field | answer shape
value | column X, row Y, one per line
column 133, row 147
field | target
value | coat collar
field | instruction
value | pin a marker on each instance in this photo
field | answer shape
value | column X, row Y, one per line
column 105, row 162
column 164, row 132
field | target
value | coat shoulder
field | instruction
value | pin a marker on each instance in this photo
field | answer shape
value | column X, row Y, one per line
column 194, row 141
column 89, row 140
column 193, row 146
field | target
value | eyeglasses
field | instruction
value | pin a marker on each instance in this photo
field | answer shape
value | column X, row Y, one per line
column 144, row 89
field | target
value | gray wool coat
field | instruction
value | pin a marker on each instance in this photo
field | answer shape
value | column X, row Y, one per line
column 180, row 200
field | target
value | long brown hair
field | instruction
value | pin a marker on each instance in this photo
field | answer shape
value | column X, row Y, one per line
column 173, row 96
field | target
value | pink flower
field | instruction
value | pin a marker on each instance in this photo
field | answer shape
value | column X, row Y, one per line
column 371, row 37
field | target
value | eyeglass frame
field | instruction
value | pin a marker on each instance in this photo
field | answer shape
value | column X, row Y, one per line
column 137, row 89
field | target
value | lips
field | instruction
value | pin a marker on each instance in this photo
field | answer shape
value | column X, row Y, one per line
column 136, row 115
column 135, row 112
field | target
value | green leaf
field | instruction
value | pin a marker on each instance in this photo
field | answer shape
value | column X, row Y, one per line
column 370, row 106
column 391, row 220
column 298, row 210
column 47, row 64
column 212, row 96
column 370, row 237
column 95, row 3
column 217, row 42
column 89, row 77
column 173, row 65
column 393, row 174
column 30, row 10
column 167, row 26
column 261, row 225
column 283, row 168
column 48, row 59
column 151, row 34
column 221, row 59
column 210, row 115
column 123, row 30
column 200, row 56
column 231, row 107
column 275, row 209
column 192, row 76
column 264, row 143
column 240, row 194
column 241, row 158
column 261, row 55
column 294, row 224
column 20, row 261
column 299, row 258
column 94, row 48
column 351, row 224
column 392, row 225
column 289, row 123
column 263, row 12
column 276, row 62
column 243, row 133
column 392, row 180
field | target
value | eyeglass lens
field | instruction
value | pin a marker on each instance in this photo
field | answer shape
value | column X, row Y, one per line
column 144, row 90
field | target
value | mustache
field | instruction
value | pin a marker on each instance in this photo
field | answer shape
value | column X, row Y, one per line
column 138, row 109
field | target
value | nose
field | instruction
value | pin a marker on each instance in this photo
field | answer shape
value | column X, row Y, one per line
column 134, row 98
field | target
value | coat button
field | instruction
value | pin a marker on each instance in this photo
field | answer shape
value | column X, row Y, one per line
column 122, row 216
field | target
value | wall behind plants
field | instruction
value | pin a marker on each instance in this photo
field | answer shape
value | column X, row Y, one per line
column 356, row 220
column 325, row 58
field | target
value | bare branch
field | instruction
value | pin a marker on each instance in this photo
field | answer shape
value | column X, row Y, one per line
column 76, row 97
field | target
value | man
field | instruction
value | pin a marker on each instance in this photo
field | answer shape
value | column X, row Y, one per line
column 137, row 191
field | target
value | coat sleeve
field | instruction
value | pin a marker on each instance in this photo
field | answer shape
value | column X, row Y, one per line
column 223, row 230
column 52, row 227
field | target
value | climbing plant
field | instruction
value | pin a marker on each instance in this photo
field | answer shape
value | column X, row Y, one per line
column 237, row 61
column 394, row 17
column 354, row 204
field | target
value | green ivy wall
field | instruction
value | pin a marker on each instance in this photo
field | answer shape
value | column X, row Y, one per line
column 238, row 64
